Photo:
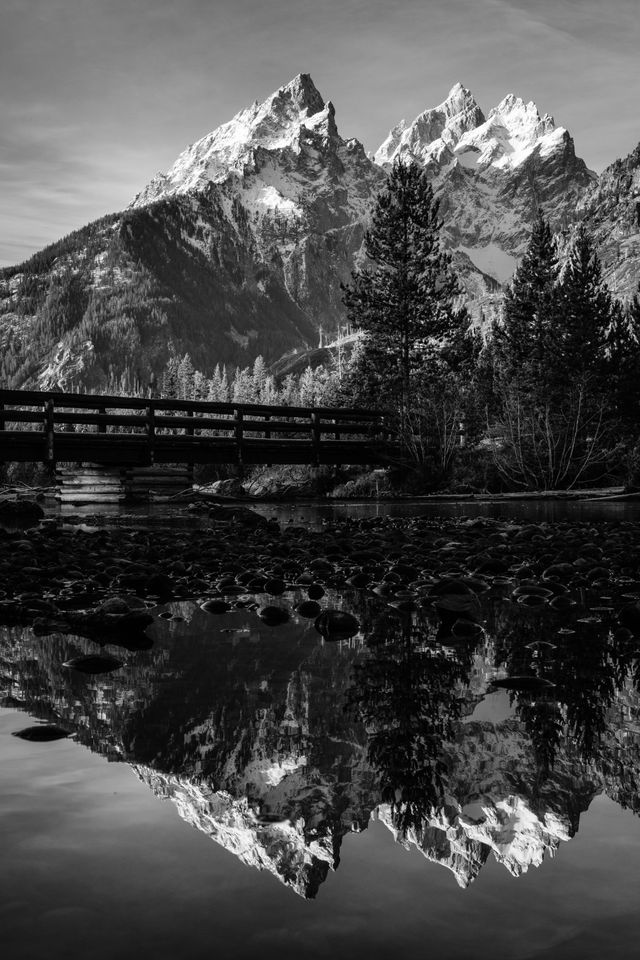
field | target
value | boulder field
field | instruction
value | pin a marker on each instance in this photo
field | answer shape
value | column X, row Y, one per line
column 103, row 581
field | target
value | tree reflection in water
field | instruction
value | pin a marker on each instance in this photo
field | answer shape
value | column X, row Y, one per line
column 408, row 694
column 586, row 661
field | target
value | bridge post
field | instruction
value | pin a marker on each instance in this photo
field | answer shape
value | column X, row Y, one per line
column 190, row 433
column 102, row 427
column 315, row 433
column 49, row 432
column 267, row 432
column 151, row 430
column 239, row 434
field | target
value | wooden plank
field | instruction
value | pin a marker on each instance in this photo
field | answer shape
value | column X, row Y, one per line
column 23, row 416
column 198, row 423
column 96, row 401
column 79, row 499
column 101, row 420
column 82, row 488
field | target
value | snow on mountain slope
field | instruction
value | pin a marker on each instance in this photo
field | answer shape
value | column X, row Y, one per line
column 284, row 174
column 492, row 174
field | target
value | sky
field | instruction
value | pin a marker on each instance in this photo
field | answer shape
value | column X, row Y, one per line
column 96, row 96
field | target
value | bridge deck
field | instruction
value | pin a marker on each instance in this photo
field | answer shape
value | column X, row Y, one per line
column 51, row 427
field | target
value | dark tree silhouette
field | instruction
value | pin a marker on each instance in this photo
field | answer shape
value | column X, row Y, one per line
column 404, row 300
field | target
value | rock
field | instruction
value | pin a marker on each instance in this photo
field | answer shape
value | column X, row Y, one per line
column 531, row 600
column 491, row 566
column 94, row 663
column 562, row 602
column 358, row 580
column 159, row 584
column 20, row 511
column 629, row 617
column 231, row 488
column 273, row 616
column 532, row 590
column 309, row 609
column 315, row 591
column 274, row 586
column 334, row 624
column 42, row 733
column 115, row 605
column 466, row 629
column 215, row 605
column 452, row 596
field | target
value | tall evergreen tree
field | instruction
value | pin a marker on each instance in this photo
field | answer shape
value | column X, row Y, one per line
column 185, row 374
column 586, row 313
column 404, row 301
column 259, row 377
column 623, row 366
column 552, row 396
column 525, row 342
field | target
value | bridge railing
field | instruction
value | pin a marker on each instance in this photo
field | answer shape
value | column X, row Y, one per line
column 63, row 423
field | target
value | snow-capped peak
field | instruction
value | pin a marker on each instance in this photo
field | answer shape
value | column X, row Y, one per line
column 510, row 134
column 276, row 123
column 459, row 98
column 458, row 128
column 521, row 119
column 434, row 130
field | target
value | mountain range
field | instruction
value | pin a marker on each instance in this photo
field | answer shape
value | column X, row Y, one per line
column 240, row 248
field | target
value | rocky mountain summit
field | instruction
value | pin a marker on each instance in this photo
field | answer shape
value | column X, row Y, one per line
column 290, row 186
column 492, row 173
column 240, row 248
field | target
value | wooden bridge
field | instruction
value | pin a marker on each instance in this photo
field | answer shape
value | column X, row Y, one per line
column 48, row 427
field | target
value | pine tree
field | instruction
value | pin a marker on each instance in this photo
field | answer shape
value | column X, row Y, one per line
column 551, row 394
column 242, row 386
column 623, row 365
column 525, row 342
column 169, row 386
column 586, row 313
column 259, row 377
column 307, row 387
column 185, row 374
column 289, row 395
column 404, row 301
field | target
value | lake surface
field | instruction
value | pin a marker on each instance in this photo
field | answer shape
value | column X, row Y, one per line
column 251, row 790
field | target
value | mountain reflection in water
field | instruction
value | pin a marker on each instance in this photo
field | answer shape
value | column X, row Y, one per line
column 276, row 743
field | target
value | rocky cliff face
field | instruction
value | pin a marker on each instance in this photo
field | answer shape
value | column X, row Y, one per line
column 240, row 248
column 300, row 190
column 492, row 174
column 611, row 210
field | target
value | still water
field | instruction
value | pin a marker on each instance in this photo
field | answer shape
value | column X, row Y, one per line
column 244, row 790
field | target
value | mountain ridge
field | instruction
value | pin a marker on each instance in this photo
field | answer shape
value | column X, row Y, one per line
column 241, row 246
